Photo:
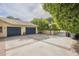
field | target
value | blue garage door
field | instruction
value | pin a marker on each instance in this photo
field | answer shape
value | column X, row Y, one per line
column 30, row 30
column 13, row 31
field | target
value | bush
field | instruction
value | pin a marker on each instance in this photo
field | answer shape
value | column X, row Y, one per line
column 76, row 36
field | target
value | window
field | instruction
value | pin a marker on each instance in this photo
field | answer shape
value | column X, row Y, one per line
column 0, row 29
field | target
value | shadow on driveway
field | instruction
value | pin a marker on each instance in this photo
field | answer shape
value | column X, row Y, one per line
column 76, row 47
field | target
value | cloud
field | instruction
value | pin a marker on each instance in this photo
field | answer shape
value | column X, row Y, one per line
column 23, row 11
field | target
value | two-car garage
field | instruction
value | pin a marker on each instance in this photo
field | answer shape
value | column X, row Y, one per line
column 15, row 31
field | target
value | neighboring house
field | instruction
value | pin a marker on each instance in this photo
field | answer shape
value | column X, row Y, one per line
column 12, row 27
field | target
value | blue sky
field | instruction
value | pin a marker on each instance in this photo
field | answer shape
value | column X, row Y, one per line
column 25, row 11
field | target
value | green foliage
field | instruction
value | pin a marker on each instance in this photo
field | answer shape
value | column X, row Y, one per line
column 43, row 24
column 65, row 15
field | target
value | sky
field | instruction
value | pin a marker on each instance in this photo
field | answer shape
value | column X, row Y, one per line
column 24, row 11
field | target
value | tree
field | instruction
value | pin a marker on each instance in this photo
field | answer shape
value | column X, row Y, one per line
column 11, row 17
column 66, row 16
column 42, row 23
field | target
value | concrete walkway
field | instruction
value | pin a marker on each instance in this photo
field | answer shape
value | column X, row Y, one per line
column 39, row 45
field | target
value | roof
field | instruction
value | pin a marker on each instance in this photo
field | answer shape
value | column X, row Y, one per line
column 17, row 22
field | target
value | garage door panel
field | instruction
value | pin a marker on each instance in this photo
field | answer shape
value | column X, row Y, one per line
column 13, row 31
column 30, row 30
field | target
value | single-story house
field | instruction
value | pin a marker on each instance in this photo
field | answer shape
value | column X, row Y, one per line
column 12, row 27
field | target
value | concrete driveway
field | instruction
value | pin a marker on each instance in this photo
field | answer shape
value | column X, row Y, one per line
column 39, row 45
column 2, row 47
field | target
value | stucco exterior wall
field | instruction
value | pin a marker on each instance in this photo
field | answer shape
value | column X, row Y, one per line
column 36, row 30
column 4, row 29
column 23, row 30
column 3, row 33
